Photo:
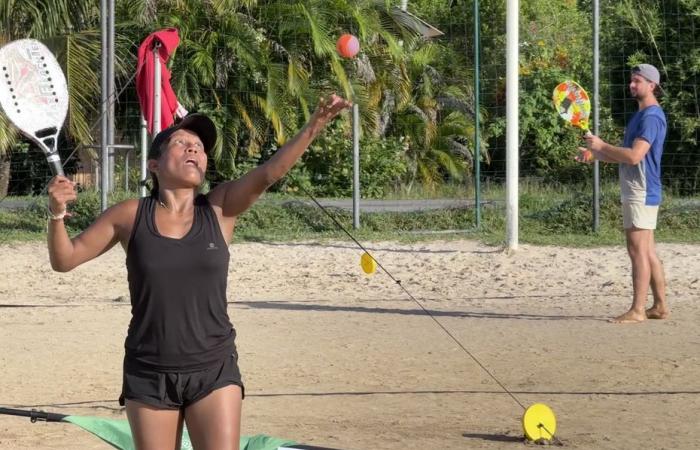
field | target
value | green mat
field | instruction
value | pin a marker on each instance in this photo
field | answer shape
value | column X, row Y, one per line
column 118, row 434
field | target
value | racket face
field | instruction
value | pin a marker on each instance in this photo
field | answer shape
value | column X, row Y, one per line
column 572, row 104
column 33, row 91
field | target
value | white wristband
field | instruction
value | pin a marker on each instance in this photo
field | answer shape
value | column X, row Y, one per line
column 58, row 216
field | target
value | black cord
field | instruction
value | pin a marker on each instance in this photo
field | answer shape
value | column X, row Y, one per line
column 398, row 282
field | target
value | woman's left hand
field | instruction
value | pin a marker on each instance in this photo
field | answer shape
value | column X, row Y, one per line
column 328, row 108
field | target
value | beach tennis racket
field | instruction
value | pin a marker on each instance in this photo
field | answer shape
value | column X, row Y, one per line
column 573, row 104
column 34, row 95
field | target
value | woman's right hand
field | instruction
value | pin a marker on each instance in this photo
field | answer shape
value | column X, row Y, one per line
column 61, row 192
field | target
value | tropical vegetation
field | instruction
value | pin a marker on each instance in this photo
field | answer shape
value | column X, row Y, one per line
column 258, row 66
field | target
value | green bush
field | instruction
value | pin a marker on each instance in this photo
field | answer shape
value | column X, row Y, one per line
column 547, row 217
column 575, row 214
column 326, row 168
column 680, row 215
column 86, row 208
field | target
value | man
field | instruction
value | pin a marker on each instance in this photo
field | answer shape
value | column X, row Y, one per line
column 639, row 162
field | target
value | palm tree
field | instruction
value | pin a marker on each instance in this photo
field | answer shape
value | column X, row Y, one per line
column 227, row 66
column 436, row 119
column 258, row 66
column 69, row 29
column 406, row 86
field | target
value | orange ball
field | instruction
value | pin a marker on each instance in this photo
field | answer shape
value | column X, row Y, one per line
column 348, row 46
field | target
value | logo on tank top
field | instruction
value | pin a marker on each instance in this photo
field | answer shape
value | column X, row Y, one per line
column 212, row 246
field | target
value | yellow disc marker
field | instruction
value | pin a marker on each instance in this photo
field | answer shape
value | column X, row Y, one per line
column 369, row 265
column 539, row 423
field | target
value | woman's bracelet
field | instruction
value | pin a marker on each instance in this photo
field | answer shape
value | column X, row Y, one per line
column 58, row 216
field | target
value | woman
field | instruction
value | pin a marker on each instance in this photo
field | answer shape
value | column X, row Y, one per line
column 180, row 361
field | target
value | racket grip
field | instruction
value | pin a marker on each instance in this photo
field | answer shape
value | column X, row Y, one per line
column 588, row 133
column 55, row 164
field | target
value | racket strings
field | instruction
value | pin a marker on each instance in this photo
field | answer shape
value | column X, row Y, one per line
column 410, row 295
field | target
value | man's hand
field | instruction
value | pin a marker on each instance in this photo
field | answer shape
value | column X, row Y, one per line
column 594, row 143
column 584, row 156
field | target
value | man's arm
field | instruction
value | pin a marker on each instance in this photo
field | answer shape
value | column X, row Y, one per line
column 610, row 153
column 588, row 156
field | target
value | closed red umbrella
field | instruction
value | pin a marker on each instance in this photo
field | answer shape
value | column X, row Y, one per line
column 169, row 40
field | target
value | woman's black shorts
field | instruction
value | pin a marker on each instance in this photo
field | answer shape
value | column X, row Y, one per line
column 176, row 390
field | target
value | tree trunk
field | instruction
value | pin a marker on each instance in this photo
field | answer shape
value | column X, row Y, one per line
column 4, row 173
column 388, row 104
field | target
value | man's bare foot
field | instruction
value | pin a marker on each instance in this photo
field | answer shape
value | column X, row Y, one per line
column 657, row 312
column 630, row 317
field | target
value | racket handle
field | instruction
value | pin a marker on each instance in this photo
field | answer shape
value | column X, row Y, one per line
column 55, row 164
column 588, row 133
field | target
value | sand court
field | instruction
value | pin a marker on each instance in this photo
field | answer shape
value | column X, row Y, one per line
column 331, row 356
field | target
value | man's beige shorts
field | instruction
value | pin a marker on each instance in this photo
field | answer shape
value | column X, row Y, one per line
column 639, row 215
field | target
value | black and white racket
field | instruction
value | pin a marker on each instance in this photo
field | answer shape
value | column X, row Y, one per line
column 34, row 95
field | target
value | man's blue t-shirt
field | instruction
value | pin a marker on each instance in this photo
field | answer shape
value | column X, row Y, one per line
column 641, row 183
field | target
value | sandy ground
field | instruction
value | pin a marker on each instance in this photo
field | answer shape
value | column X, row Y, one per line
column 333, row 357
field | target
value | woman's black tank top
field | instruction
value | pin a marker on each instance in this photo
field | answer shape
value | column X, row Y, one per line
column 178, row 293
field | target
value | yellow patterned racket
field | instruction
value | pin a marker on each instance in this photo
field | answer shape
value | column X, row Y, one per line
column 573, row 104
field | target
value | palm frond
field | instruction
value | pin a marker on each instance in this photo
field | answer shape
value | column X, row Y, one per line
column 323, row 45
column 8, row 134
column 82, row 50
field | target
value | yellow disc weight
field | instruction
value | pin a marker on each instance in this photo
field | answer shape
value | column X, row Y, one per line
column 369, row 265
column 539, row 422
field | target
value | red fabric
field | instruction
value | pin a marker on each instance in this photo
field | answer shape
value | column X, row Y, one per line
column 144, row 77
